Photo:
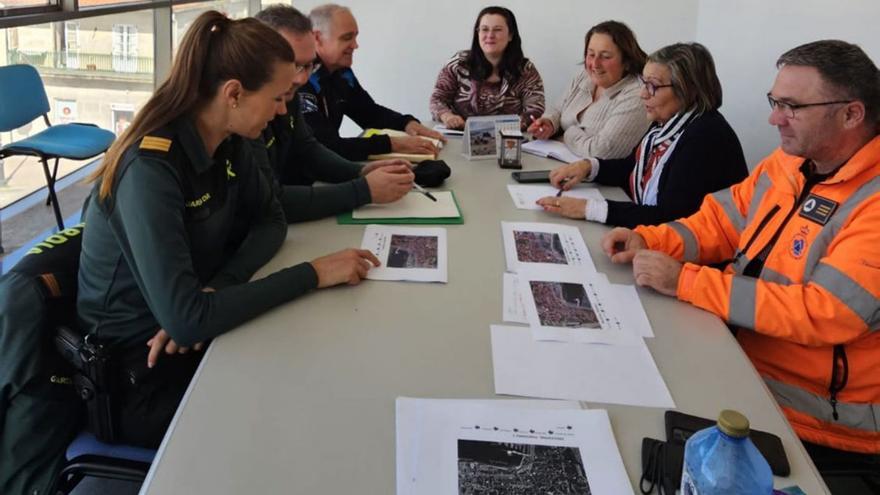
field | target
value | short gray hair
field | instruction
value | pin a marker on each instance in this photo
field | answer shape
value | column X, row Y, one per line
column 845, row 67
column 322, row 16
column 280, row 16
column 694, row 79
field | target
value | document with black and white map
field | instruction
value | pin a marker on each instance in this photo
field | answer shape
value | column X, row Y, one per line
column 460, row 446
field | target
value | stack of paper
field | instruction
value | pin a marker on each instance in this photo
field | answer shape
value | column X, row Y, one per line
column 625, row 298
column 614, row 374
column 565, row 298
column 463, row 446
column 585, row 339
column 544, row 245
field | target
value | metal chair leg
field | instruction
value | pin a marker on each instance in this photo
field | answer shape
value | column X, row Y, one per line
column 54, row 178
column 51, row 185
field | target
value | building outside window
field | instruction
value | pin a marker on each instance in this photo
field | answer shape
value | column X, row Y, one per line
column 183, row 15
column 96, row 70
column 125, row 47
column 71, row 45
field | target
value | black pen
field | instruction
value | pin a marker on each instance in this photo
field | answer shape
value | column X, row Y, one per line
column 561, row 183
column 423, row 191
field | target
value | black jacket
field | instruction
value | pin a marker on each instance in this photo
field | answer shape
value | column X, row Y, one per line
column 327, row 97
column 708, row 158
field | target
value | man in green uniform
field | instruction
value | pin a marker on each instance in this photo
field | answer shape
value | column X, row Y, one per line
column 298, row 159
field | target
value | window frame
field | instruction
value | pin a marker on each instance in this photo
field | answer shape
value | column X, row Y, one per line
column 69, row 10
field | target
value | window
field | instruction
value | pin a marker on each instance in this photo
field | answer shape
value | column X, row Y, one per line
column 71, row 45
column 125, row 48
column 93, row 71
column 25, row 4
column 96, row 68
column 96, row 4
column 184, row 14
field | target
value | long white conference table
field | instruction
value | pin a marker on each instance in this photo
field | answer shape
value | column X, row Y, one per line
column 302, row 399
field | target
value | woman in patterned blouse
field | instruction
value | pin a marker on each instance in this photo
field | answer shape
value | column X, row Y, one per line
column 492, row 78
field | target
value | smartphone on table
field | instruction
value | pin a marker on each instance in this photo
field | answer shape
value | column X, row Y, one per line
column 531, row 176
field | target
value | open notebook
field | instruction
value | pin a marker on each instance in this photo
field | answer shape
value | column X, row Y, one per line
column 549, row 148
column 414, row 208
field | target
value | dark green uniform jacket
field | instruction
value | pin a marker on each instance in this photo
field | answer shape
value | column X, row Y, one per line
column 298, row 160
column 178, row 221
column 39, row 410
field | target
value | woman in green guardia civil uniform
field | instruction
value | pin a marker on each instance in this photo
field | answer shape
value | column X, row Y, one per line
column 181, row 217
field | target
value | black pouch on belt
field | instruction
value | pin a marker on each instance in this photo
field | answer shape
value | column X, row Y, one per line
column 431, row 173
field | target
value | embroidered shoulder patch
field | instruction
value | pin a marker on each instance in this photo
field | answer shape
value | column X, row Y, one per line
column 818, row 209
column 155, row 143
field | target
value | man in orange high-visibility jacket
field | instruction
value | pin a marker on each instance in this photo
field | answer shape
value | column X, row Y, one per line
column 801, row 238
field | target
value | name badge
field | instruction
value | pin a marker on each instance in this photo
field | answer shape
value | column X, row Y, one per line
column 818, row 209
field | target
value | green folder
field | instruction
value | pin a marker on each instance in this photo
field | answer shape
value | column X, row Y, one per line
column 347, row 219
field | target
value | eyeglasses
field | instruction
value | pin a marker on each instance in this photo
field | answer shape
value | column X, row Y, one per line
column 651, row 87
column 311, row 67
column 788, row 109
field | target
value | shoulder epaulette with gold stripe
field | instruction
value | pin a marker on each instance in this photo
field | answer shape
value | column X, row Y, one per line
column 155, row 143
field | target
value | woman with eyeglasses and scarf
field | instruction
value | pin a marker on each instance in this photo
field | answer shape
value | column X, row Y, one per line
column 689, row 151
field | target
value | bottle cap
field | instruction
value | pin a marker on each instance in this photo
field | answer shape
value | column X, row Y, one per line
column 733, row 423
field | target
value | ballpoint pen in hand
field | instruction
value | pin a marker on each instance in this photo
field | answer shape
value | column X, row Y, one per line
column 561, row 183
column 540, row 127
column 423, row 191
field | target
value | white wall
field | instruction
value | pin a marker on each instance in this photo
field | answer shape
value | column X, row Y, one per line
column 403, row 43
column 747, row 36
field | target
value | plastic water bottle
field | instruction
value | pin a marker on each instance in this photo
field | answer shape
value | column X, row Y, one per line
column 722, row 460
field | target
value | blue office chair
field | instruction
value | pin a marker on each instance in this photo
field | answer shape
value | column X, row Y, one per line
column 89, row 457
column 23, row 99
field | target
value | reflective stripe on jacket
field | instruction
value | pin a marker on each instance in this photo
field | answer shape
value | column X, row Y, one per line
column 809, row 319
